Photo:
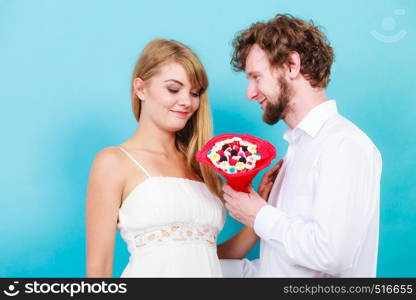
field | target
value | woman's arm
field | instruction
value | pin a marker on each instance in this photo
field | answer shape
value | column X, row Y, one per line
column 239, row 245
column 102, row 204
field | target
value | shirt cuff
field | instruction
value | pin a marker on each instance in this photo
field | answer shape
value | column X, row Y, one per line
column 237, row 268
column 232, row 267
column 265, row 219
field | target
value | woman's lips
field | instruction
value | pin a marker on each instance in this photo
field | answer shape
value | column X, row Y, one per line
column 180, row 114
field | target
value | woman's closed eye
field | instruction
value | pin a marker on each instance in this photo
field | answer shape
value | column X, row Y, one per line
column 195, row 94
column 173, row 91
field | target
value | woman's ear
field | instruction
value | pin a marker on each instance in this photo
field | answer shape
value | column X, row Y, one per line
column 138, row 84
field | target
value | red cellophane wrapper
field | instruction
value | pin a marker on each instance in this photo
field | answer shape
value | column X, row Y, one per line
column 240, row 181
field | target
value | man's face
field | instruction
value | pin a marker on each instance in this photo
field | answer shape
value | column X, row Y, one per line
column 267, row 85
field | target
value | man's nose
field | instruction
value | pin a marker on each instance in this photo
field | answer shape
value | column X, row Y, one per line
column 251, row 92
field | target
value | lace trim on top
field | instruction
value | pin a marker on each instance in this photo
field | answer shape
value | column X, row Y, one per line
column 185, row 233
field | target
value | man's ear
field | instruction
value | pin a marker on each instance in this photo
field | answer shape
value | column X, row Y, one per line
column 138, row 85
column 294, row 65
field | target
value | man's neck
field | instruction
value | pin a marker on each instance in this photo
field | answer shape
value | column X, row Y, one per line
column 303, row 101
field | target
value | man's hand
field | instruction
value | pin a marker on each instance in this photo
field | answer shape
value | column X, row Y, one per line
column 242, row 206
column 268, row 179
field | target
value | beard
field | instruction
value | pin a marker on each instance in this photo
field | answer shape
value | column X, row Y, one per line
column 276, row 109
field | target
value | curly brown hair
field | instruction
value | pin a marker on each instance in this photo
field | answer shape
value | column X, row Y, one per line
column 282, row 35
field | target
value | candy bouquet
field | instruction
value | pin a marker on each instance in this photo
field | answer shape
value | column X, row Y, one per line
column 237, row 157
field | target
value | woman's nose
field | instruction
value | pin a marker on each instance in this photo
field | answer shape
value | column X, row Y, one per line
column 185, row 100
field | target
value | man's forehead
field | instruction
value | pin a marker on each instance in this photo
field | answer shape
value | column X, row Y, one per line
column 256, row 60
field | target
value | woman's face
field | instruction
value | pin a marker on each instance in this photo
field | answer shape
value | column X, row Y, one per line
column 168, row 99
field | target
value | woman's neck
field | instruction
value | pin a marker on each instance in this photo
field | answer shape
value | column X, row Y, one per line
column 153, row 139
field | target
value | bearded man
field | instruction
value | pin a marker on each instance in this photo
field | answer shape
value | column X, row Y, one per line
column 317, row 214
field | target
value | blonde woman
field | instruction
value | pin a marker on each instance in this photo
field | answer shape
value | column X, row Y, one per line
column 165, row 204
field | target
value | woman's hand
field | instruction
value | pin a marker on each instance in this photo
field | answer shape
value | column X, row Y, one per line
column 268, row 179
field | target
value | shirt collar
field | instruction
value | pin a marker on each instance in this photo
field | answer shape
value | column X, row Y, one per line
column 313, row 121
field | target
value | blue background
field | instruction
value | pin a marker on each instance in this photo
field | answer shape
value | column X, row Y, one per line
column 65, row 70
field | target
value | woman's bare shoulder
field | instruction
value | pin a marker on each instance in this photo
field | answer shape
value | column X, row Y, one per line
column 108, row 162
column 106, row 180
column 108, row 156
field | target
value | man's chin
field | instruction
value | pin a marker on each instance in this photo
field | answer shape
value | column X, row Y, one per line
column 270, row 118
column 270, row 121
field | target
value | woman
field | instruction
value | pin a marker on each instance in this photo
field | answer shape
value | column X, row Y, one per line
column 166, row 205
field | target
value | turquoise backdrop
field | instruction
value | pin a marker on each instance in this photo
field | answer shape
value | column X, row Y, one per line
column 65, row 70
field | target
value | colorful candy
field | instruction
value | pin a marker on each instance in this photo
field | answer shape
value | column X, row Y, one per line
column 234, row 155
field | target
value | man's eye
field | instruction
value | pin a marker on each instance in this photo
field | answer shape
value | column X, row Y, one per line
column 173, row 91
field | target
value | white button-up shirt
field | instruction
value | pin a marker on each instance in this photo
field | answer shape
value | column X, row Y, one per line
column 322, row 217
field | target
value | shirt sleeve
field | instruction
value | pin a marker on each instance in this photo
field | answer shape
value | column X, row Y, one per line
column 237, row 268
column 345, row 201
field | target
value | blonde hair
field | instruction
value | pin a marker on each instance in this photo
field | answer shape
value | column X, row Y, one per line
column 198, row 129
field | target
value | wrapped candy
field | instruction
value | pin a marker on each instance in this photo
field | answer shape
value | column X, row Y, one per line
column 237, row 157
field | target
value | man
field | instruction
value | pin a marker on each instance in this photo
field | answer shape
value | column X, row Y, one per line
column 320, row 217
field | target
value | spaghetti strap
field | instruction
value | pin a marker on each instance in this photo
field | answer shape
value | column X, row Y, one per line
column 135, row 161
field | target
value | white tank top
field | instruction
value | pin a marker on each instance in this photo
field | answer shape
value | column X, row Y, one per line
column 170, row 225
